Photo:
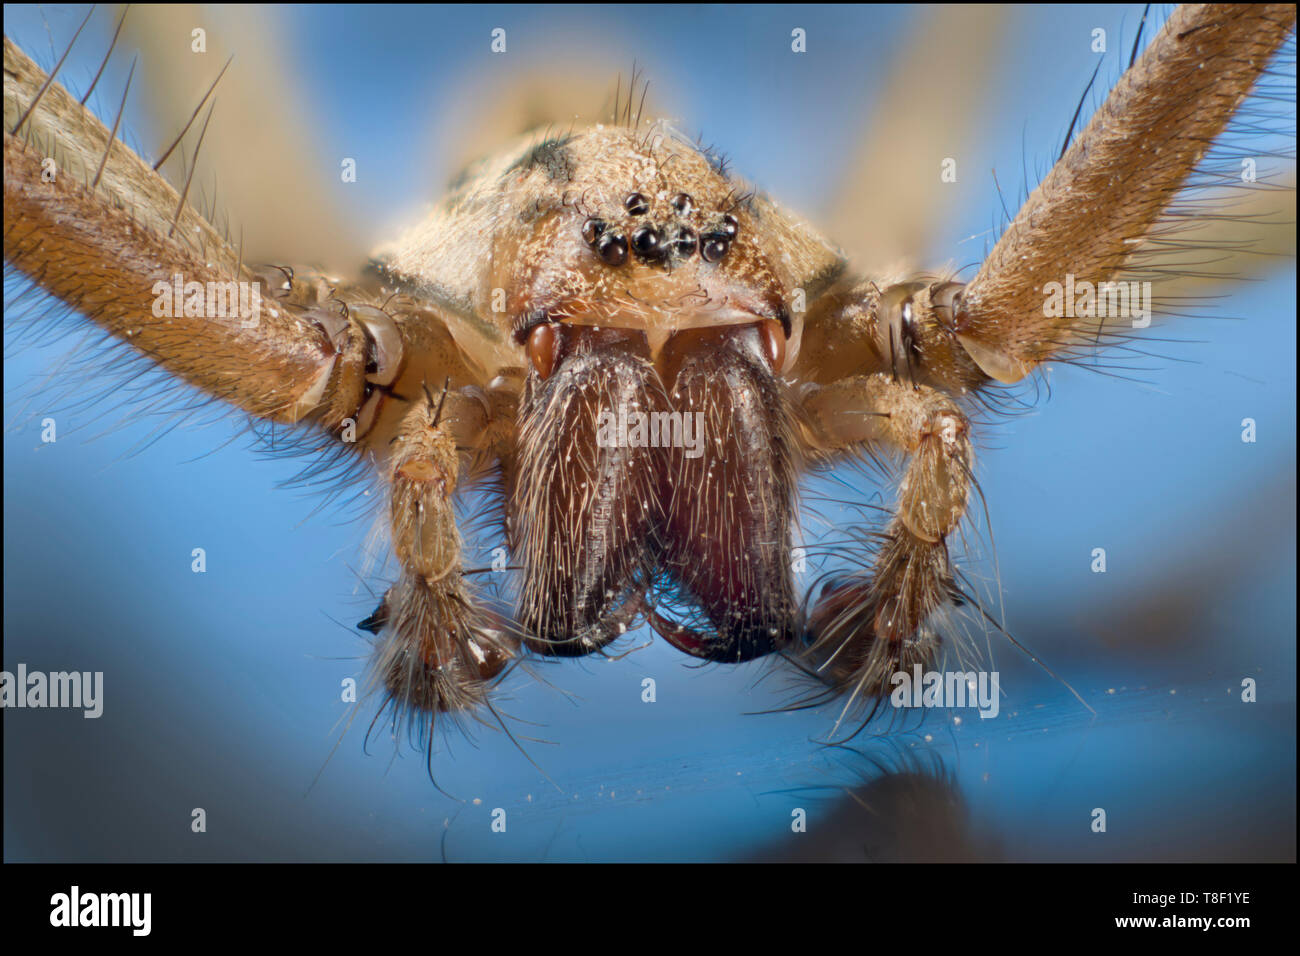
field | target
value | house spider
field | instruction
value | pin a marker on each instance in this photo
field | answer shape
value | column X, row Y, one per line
column 617, row 268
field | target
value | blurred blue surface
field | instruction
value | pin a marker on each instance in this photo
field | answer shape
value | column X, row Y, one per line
column 222, row 689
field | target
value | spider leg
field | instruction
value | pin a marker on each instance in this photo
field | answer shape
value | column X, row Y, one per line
column 104, row 232
column 1130, row 162
column 440, row 647
column 1109, row 209
column 862, row 628
column 90, row 222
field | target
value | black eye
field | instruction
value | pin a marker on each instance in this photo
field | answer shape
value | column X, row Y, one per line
column 646, row 242
column 636, row 204
column 714, row 248
column 612, row 249
column 730, row 225
column 684, row 243
column 683, row 204
column 591, row 230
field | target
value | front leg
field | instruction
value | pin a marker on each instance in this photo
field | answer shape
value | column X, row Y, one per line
column 89, row 221
column 865, row 627
column 1114, row 208
column 95, row 225
column 439, row 648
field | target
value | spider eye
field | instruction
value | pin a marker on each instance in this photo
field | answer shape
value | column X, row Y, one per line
column 772, row 336
column 544, row 348
column 684, row 243
column 730, row 226
column 715, row 247
column 683, row 204
column 612, row 249
column 646, row 242
column 636, row 204
column 592, row 229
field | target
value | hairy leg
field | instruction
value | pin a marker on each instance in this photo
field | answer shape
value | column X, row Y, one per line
column 92, row 223
column 106, row 233
column 1143, row 146
column 440, row 647
column 1130, row 162
column 864, row 627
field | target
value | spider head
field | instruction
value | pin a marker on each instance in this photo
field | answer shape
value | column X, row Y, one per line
column 648, row 236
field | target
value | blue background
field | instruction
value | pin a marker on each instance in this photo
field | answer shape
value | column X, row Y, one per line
column 223, row 688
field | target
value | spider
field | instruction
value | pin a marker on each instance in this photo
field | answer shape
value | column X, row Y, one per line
column 620, row 267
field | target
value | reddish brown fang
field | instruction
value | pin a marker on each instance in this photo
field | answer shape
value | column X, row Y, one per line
column 773, row 337
column 544, row 349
